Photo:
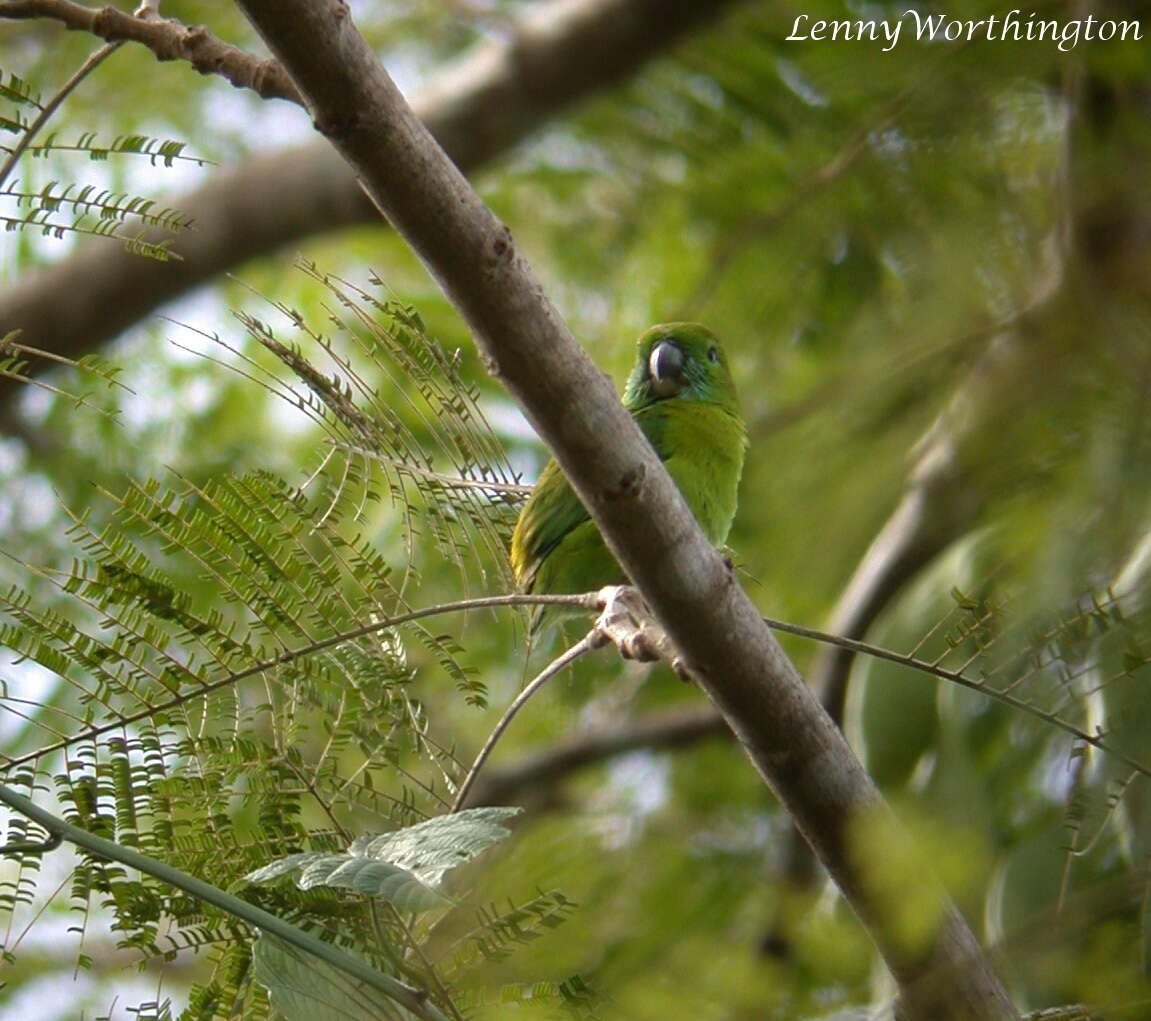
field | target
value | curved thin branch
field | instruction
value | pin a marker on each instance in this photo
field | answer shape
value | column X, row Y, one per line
column 291, row 655
column 586, row 644
column 855, row 647
column 663, row 730
column 49, row 108
column 678, row 728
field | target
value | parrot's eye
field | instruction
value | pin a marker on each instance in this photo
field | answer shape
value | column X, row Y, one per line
column 713, row 354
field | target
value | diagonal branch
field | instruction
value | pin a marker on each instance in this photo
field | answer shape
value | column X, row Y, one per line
column 49, row 109
column 415, row 1000
column 479, row 106
column 167, row 38
column 725, row 645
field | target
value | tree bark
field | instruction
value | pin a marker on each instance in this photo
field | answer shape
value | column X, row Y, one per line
column 477, row 107
column 726, row 646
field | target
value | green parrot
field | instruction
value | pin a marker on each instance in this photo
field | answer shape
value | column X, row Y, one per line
column 682, row 397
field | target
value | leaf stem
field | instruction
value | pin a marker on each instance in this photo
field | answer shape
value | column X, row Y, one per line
column 1096, row 740
column 415, row 1000
column 590, row 641
column 85, row 69
column 586, row 601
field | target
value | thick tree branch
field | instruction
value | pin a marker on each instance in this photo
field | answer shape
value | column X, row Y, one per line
column 479, row 106
column 167, row 38
column 529, row 775
column 727, row 647
column 941, row 500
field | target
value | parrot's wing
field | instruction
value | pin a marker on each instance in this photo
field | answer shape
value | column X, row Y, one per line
column 553, row 511
column 652, row 421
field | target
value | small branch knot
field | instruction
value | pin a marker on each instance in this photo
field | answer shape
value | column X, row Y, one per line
column 629, row 485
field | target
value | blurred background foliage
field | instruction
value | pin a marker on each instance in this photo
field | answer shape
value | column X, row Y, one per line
column 930, row 268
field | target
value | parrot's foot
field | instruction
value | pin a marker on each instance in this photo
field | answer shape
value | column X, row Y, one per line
column 627, row 622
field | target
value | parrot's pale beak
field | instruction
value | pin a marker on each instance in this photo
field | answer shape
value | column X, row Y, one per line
column 665, row 363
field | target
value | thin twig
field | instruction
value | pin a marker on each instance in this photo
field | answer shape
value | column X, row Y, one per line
column 590, row 641
column 85, row 69
column 49, row 843
column 584, row 601
column 1096, row 740
column 512, row 491
column 10, row 344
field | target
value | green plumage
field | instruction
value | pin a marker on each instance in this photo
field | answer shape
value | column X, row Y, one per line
column 682, row 397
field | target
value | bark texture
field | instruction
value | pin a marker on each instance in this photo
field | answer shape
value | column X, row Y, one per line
column 725, row 644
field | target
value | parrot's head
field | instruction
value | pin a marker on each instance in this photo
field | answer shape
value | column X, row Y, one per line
column 681, row 361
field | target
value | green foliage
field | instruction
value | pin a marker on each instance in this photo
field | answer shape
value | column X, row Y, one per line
column 14, row 90
column 96, row 212
column 159, row 152
column 279, row 688
column 302, row 989
column 937, row 238
column 405, row 867
column 425, row 434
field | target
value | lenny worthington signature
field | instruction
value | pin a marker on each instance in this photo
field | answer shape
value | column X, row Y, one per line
column 1011, row 27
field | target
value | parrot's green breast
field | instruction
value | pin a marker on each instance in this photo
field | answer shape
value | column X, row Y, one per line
column 683, row 399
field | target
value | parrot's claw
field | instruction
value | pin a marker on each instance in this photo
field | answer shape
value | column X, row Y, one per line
column 628, row 624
